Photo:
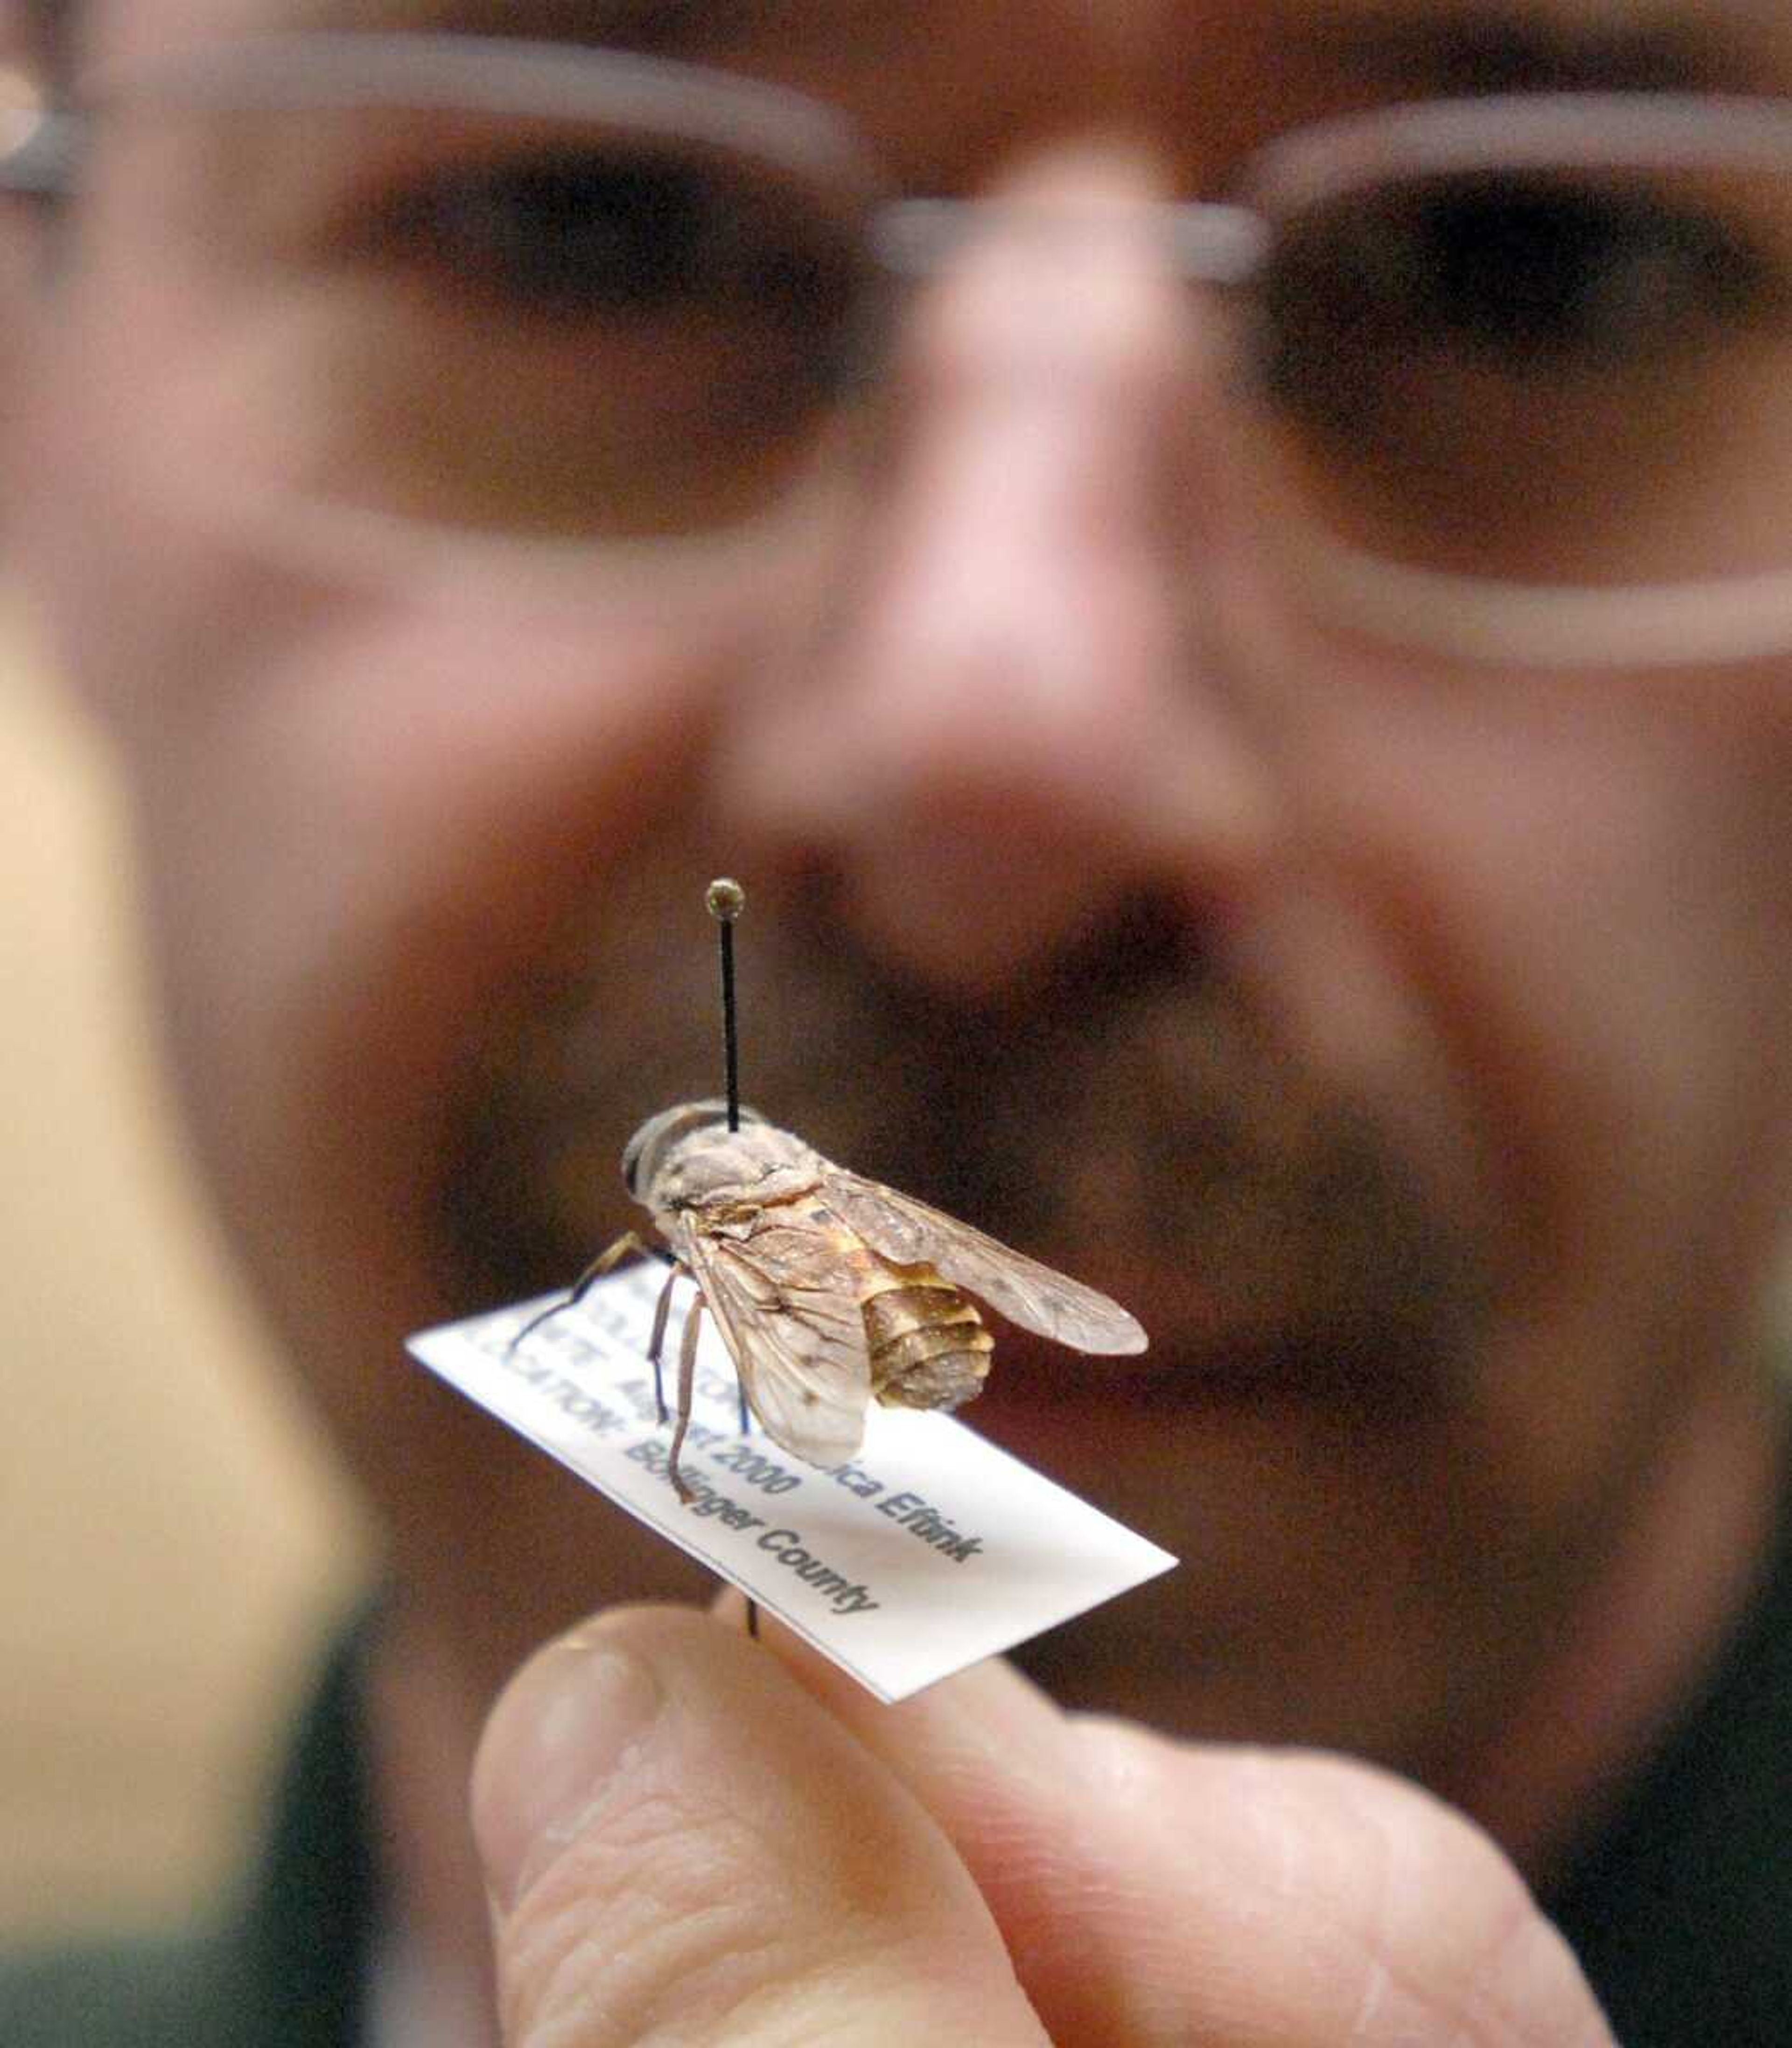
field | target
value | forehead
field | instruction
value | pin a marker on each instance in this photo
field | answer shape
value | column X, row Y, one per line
column 1653, row 40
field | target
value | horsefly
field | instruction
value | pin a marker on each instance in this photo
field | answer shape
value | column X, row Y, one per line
column 830, row 1291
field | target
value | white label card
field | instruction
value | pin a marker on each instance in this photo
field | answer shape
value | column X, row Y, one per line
column 927, row 1550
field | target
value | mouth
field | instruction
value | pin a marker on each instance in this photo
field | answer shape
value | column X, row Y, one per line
column 1147, row 1439
column 1212, row 1364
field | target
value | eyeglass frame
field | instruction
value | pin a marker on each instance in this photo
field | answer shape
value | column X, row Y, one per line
column 1220, row 244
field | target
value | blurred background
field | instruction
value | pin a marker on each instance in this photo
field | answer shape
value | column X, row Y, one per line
column 172, row 1541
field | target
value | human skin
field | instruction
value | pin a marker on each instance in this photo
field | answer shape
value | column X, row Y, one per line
column 1410, row 1047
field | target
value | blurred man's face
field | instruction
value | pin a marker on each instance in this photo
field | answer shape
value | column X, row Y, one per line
column 1405, row 1040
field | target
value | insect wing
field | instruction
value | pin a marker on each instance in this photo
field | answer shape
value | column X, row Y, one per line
column 796, row 1337
column 1026, row 1293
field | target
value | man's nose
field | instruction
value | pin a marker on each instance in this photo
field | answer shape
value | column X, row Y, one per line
column 1011, row 714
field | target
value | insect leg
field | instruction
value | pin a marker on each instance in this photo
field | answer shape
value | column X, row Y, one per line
column 746, row 1430
column 612, row 1255
column 655, row 1343
column 687, row 1389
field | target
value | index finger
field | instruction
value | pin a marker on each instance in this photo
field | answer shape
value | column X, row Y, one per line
column 1159, row 1892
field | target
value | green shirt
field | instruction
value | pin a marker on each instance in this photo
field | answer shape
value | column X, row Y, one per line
column 1680, row 1911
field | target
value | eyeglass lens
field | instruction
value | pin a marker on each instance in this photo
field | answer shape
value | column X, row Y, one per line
column 586, row 328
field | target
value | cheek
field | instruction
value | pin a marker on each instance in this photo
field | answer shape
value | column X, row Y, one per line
column 1576, row 886
column 358, row 853
column 1548, row 929
column 392, row 824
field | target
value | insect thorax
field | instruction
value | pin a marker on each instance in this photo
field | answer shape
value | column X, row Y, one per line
column 755, row 1165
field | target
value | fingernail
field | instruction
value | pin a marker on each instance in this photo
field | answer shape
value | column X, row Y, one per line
column 567, row 1725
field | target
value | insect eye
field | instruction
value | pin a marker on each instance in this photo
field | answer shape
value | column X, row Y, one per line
column 631, row 1164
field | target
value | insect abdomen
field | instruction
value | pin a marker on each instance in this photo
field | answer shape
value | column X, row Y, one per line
column 928, row 1347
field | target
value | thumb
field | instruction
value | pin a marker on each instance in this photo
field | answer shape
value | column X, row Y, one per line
column 679, row 1843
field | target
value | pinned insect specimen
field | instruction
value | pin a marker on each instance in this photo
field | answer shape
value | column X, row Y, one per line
column 829, row 1290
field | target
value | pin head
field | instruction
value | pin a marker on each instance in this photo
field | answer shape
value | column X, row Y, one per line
column 725, row 899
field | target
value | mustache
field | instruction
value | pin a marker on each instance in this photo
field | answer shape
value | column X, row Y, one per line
column 875, row 1068
column 1127, row 1115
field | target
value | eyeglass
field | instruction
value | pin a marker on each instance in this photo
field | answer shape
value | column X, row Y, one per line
column 1510, row 379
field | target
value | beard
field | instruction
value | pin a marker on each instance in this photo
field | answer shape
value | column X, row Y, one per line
column 1128, row 1116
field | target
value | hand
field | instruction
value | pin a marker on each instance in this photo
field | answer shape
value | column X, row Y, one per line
column 693, row 1837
